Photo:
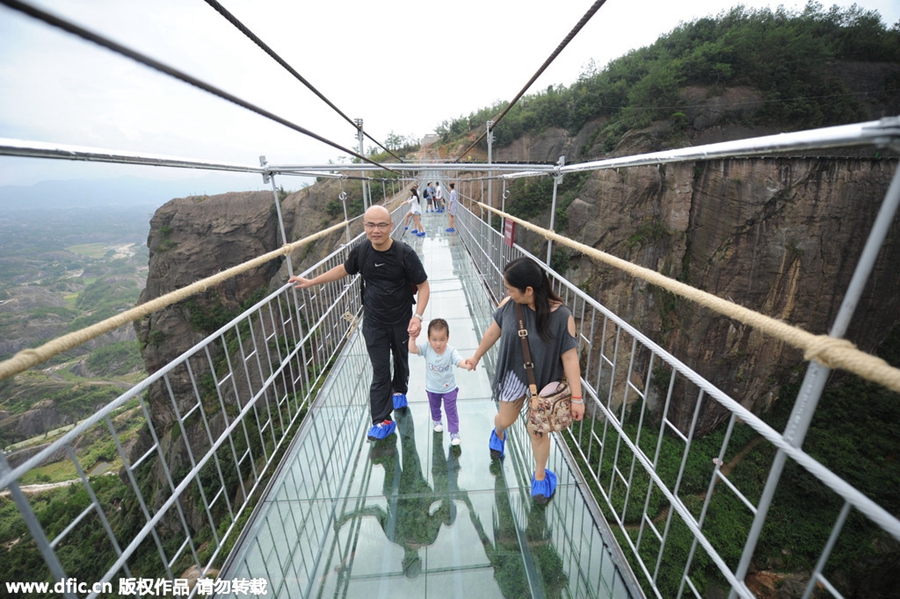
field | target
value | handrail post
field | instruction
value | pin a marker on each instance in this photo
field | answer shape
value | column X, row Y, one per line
column 268, row 177
column 359, row 137
column 817, row 374
column 343, row 198
column 557, row 179
column 490, row 145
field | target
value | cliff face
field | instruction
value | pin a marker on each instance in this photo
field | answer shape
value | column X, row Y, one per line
column 197, row 237
column 780, row 236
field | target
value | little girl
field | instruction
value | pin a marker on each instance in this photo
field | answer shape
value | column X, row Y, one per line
column 440, row 384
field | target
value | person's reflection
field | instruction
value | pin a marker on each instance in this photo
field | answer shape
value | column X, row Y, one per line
column 507, row 556
column 445, row 472
column 410, row 520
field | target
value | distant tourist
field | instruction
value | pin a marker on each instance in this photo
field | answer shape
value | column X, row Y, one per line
column 451, row 208
column 415, row 212
column 438, row 197
column 428, row 194
column 388, row 270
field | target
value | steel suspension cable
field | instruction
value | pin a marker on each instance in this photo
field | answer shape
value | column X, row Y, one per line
column 587, row 17
column 90, row 36
column 265, row 48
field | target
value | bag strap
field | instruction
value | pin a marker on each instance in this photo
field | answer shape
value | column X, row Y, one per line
column 364, row 247
column 526, row 351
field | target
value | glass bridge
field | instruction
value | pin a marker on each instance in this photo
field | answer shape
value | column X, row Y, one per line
column 412, row 516
column 241, row 466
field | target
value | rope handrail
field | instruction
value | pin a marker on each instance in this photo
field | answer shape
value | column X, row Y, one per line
column 831, row 352
column 27, row 358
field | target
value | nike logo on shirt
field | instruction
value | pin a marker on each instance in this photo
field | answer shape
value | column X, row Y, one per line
column 382, row 264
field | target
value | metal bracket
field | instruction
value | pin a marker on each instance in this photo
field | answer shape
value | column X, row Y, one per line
column 267, row 176
column 889, row 127
column 557, row 175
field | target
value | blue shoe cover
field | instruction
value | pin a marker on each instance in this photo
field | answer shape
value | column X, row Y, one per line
column 543, row 490
column 400, row 401
column 497, row 445
column 382, row 431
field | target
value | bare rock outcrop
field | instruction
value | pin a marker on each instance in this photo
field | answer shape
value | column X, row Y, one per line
column 194, row 238
column 780, row 236
column 191, row 239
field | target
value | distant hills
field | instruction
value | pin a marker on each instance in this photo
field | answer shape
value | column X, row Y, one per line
column 118, row 191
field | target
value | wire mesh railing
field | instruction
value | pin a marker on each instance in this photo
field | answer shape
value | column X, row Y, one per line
column 166, row 475
column 681, row 507
column 159, row 482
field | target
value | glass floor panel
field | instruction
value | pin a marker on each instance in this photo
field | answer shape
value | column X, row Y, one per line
column 412, row 516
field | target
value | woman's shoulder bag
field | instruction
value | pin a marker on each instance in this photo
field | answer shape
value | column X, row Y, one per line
column 550, row 410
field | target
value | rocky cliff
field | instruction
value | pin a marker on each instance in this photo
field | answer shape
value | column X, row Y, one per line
column 193, row 238
column 780, row 236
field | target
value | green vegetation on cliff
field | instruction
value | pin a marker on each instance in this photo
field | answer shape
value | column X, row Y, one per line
column 787, row 57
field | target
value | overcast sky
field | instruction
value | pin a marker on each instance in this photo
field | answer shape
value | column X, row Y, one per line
column 403, row 66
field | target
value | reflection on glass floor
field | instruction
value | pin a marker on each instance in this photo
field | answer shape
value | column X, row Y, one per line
column 411, row 516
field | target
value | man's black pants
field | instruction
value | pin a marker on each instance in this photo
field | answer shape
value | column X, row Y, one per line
column 383, row 343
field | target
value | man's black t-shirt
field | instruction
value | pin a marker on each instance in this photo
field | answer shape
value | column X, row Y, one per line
column 388, row 275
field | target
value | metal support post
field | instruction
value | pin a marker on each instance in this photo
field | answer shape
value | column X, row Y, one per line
column 270, row 178
column 481, row 198
column 490, row 144
column 365, row 182
column 817, row 374
column 557, row 179
column 343, row 198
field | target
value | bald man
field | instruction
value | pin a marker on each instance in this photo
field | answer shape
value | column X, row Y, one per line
column 388, row 268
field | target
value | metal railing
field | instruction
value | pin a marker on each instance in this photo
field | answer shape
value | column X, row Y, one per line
column 202, row 432
column 663, row 488
column 207, row 427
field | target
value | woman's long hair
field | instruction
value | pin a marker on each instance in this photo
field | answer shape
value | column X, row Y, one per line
column 524, row 272
column 414, row 192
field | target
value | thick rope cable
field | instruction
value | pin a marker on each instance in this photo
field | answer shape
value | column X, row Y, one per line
column 265, row 48
column 578, row 27
column 831, row 352
column 173, row 72
column 27, row 358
